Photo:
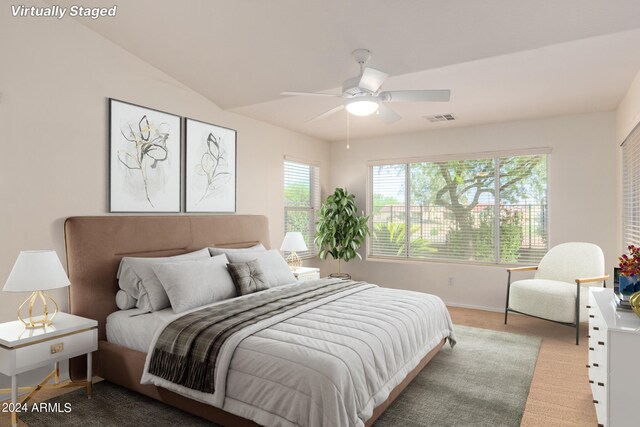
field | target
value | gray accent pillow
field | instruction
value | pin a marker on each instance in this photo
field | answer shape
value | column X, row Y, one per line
column 219, row 251
column 275, row 268
column 248, row 277
column 191, row 284
column 136, row 278
column 124, row 301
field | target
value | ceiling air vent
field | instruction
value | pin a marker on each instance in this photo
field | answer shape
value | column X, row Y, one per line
column 440, row 118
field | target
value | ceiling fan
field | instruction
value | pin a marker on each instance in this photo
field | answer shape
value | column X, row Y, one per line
column 362, row 95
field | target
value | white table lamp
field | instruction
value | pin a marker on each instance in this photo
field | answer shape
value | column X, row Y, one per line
column 37, row 272
column 293, row 242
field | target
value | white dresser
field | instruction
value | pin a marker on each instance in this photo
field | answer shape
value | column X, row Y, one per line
column 614, row 356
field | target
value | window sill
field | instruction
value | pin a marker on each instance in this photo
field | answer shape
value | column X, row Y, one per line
column 376, row 258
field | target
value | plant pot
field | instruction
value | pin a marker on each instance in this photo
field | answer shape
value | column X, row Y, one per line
column 629, row 284
column 344, row 276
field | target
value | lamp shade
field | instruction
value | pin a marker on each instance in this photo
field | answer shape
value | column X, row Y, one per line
column 36, row 271
column 293, row 241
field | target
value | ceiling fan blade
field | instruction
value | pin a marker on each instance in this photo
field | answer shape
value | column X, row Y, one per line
column 308, row 94
column 416, row 95
column 372, row 79
column 387, row 114
column 327, row 113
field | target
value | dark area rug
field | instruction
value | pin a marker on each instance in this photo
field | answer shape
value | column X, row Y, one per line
column 483, row 381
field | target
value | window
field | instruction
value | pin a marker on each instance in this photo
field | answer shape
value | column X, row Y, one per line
column 481, row 209
column 301, row 201
column 631, row 189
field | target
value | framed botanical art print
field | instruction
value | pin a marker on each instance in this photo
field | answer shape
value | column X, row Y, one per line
column 145, row 159
column 210, row 168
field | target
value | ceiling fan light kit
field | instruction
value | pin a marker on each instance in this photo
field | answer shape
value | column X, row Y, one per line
column 362, row 105
column 362, row 95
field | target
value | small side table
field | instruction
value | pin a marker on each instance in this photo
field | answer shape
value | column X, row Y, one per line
column 23, row 350
column 307, row 273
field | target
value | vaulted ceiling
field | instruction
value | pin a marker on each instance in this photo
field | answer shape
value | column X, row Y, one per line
column 502, row 59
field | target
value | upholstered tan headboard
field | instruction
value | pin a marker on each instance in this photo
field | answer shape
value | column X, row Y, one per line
column 96, row 244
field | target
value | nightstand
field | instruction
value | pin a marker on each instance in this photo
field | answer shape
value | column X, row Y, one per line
column 22, row 350
column 307, row 273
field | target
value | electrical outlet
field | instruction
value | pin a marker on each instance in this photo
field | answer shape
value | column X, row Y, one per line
column 57, row 348
column 450, row 282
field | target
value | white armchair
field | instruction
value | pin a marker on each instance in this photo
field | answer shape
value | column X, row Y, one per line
column 554, row 293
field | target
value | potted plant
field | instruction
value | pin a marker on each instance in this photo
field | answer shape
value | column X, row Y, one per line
column 629, row 270
column 339, row 230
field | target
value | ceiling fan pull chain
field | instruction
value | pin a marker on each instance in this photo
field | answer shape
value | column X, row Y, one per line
column 348, row 130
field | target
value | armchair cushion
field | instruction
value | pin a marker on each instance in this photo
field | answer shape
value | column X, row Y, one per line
column 569, row 261
column 549, row 299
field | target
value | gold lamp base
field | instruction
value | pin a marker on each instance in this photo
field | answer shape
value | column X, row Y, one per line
column 44, row 319
column 294, row 261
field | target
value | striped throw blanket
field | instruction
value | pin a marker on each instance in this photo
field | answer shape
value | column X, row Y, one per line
column 186, row 351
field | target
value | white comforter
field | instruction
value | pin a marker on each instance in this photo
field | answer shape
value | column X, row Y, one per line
column 327, row 363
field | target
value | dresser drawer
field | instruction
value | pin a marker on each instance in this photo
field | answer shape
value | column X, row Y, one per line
column 596, row 320
column 597, row 333
column 597, row 371
column 600, row 402
column 597, row 349
column 54, row 350
column 598, row 381
column 601, row 414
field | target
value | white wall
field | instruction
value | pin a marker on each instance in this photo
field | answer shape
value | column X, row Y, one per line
column 628, row 112
column 582, row 186
column 55, row 78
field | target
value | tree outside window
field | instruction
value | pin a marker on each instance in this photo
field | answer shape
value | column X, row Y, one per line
column 487, row 210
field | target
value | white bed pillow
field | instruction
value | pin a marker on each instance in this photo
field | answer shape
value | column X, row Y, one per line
column 124, row 301
column 219, row 251
column 191, row 284
column 275, row 268
column 137, row 279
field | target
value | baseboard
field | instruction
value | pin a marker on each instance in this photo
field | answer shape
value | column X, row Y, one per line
column 494, row 309
column 476, row 307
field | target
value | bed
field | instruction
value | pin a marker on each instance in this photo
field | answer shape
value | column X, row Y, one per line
column 95, row 246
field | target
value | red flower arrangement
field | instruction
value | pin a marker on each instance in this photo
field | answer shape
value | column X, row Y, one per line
column 630, row 264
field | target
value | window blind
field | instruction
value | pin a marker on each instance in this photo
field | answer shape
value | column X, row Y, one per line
column 631, row 189
column 301, row 201
column 484, row 210
column 389, row 213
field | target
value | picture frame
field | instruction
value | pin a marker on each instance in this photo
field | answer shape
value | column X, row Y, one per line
column 145, row 155
column 210, row 167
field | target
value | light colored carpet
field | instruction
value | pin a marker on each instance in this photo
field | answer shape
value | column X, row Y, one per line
column 483, row 381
